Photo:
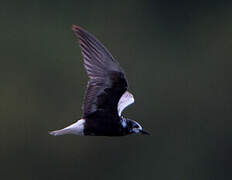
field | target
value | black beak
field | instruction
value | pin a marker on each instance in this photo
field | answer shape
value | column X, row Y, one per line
column 144, row 132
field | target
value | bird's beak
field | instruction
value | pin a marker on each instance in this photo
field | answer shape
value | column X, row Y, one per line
column 144, row 132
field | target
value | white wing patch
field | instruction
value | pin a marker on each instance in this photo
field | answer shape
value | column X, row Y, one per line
column 126, row 100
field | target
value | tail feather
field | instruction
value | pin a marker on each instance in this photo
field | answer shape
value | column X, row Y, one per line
column 76, row 128
column 58, row 132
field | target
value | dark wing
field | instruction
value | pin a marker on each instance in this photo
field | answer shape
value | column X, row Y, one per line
column 107, row 82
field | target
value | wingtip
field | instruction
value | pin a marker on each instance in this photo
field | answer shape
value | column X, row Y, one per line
column 76, row 28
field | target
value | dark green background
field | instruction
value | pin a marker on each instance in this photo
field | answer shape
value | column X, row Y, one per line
column 178, row 59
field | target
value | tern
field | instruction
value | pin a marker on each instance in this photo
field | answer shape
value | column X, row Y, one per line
column 106, row 95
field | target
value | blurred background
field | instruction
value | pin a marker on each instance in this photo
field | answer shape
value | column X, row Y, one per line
column 177, row 58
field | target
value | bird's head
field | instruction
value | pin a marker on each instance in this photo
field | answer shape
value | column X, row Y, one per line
column 133, row 127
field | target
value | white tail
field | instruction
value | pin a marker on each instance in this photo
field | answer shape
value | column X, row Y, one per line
column 76, row 128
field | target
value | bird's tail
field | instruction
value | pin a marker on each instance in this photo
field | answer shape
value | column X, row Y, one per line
column 59, row 132
column 76, row 128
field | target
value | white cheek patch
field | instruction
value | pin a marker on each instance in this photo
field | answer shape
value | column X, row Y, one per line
column 135, row 130
column 140, row 127
column 123, row 123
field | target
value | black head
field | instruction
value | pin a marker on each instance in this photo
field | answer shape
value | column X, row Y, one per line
column 133, row 127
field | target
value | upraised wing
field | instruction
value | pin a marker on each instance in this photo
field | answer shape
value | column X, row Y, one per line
column 107, row 82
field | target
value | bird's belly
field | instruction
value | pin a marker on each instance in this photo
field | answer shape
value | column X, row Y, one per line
column 102, row 129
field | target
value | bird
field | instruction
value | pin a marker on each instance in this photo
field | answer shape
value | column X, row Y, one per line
column 106, row 95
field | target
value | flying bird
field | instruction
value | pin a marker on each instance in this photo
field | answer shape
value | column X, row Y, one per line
column 106, row 95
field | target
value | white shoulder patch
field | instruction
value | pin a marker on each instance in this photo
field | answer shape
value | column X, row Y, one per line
column 126, row 100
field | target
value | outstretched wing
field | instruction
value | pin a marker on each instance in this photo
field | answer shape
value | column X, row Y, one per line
column 107, row 82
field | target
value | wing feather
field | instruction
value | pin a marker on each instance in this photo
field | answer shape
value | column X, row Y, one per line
column 107, row 82
column 126, row 100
